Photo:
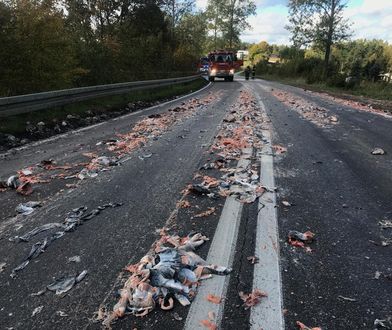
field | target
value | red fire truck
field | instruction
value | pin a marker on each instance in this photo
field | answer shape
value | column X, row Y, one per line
column 222, row 64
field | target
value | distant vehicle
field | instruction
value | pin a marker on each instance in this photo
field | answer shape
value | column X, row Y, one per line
column 222, row 64
column 203, row 65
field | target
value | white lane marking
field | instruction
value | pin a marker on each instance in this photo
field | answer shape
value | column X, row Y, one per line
column 268, row 314
column 221, row 253
column 77, row 131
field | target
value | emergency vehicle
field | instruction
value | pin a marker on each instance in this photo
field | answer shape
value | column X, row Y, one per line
column 223, row 64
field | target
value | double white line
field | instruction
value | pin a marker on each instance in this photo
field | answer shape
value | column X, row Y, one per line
column 268, row 314
column 221, row 252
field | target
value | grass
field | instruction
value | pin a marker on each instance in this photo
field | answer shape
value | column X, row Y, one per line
column 16, row 125
column 376, row 91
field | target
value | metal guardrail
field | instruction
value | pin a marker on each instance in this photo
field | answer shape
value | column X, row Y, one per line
column 15, row 105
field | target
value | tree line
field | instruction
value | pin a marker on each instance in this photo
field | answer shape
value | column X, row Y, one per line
column 322, row 49
column 355, row 59
column 54, row 44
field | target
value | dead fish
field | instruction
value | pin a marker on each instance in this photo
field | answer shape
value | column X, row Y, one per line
column 387, row 323
column 85, row 173
column 145, row 155
column 183, row 300
column 173, row 271
column 27, row 172
column 38, row 248
column 62, row 285
column 76, row 259
column 61, row 313
column 35, row 231
column 13, row 181
column 25, row 189
column 27, row 208
column 19, row 268
column 39, row 293
column 298, row 239
column 105, row 161
column 347, row 298
column 81, row 276
column 74, row 219
column 385, row 224
column 304, row 237
column 378, row 151
column 65, row 284
column 37, row 311
column 199, row 189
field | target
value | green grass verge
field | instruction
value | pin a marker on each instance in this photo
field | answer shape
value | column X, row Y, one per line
column 16, row 125
column 376, row 91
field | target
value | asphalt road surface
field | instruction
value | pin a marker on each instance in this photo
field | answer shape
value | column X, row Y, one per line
column 316, row 165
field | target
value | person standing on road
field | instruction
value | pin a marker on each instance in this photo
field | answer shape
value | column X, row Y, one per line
column 247, row 72
column 253, row 71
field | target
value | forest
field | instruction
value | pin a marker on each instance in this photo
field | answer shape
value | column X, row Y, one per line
column 56, row 44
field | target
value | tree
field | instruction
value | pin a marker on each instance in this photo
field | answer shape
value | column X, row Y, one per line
column 176, row 9
column 363, row 58
column 146, row 27
column 260, row 52
column 214, row 14
column 227, row 19
column 37, row 54
column 191, row 37
column 320, row 22
column 236, row 13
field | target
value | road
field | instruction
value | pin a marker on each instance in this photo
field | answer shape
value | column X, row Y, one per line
column 313, row 156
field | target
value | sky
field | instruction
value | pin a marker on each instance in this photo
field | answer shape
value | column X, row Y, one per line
column 370, row 19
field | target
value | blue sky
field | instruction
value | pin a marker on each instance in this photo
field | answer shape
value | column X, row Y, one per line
column 370, row 19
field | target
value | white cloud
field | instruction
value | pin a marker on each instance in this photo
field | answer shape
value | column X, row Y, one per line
column 372, row 20
column 268, row 26
column 375, row 6
column 201, row 4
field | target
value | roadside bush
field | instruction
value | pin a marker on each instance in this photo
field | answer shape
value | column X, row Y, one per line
column 311, row 69
column 262, row 68
column 337, row 80
column 351, row 82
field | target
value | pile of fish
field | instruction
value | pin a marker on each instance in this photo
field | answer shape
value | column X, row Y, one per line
column 354, row 104
column 243, row 183
column 74, row 219
column 310, row 111
column 24, row 179
column 170, row 271
column 155, row 125
column 241, row 129
column 145, row 130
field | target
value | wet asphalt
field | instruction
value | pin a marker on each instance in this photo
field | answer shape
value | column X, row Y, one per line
column 338, row 190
